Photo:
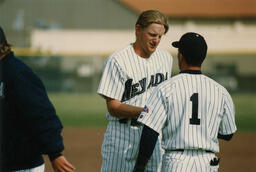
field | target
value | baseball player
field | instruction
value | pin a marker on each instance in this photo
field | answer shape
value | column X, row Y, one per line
column 29, row 126
column 128, row 79
column 191, row 111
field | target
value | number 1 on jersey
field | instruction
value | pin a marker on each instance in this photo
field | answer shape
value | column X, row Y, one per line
column 194, row 120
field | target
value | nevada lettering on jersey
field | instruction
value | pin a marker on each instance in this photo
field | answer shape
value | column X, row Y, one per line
column 131, row 90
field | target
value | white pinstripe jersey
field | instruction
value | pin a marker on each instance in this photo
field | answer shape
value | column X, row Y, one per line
column 190, row 110
column 130, row 78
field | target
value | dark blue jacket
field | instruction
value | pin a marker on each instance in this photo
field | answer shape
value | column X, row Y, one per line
column 29, row 124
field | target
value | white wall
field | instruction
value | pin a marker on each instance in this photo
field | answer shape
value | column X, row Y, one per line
column 81, row 42
column 237, row 38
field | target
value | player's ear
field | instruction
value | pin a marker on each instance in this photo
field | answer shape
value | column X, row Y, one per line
column 180, row 55
column 181, row 59
column 137, row 29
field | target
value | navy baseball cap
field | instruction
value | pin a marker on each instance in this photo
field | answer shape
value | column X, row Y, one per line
column 192, row 46
column 2, row 36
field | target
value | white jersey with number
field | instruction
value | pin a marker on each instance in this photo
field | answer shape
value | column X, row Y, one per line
column 190, row 110
column 130, row 79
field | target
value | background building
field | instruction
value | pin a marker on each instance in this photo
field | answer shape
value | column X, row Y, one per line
column 80, row 34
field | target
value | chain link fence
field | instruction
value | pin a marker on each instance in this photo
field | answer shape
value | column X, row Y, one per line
column 82, row 74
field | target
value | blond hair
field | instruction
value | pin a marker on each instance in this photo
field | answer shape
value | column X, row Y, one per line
column 152, row 16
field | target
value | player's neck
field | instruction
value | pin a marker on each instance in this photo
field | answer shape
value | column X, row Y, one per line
column 190, row 68
column 139, row 51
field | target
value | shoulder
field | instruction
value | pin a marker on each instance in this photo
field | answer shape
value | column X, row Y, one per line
column 120, row 56
column 217, row 85
column 122, row 53
column 169, row 86
column 163, row 56
column 174, row 79
column 15, row 65
column 163, row 53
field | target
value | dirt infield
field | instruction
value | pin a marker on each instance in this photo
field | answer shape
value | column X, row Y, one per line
column 83, row 150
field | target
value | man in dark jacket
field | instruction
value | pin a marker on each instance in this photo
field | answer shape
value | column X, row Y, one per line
column 28, row 121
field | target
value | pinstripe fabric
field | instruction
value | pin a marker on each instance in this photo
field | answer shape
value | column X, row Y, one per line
column 171, row 112
column 188, row 161
column 130, row 79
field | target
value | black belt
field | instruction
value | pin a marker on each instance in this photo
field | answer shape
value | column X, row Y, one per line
column 182, row 150
column 134, row 122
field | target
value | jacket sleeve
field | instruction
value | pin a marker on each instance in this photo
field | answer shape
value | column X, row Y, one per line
column 38, row 115
column 147, row 144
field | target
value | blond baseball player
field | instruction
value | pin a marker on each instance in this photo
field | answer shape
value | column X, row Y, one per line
column 191, row 111
column 128, row 79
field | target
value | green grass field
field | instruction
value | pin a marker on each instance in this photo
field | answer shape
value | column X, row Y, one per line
column 88, row 110
column 80, row 110
column 245, row 106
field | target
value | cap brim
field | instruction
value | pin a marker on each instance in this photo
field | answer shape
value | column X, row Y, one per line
column 176, row 44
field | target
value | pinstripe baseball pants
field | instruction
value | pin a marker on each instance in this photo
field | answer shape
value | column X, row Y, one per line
column 120, row 149
column 188, row 161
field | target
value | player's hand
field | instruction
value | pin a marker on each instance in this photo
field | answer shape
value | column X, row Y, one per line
column 60, row 164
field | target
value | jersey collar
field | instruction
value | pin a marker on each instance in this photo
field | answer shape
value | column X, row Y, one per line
column 191, row 71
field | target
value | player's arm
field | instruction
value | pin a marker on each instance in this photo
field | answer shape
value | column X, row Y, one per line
column 227, row 125
column 40, row 118
column 153, row 120
column 112, row 87
column 119, row 109
column 147, row 144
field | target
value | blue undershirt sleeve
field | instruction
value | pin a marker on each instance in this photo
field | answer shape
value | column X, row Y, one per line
column 147, row 144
